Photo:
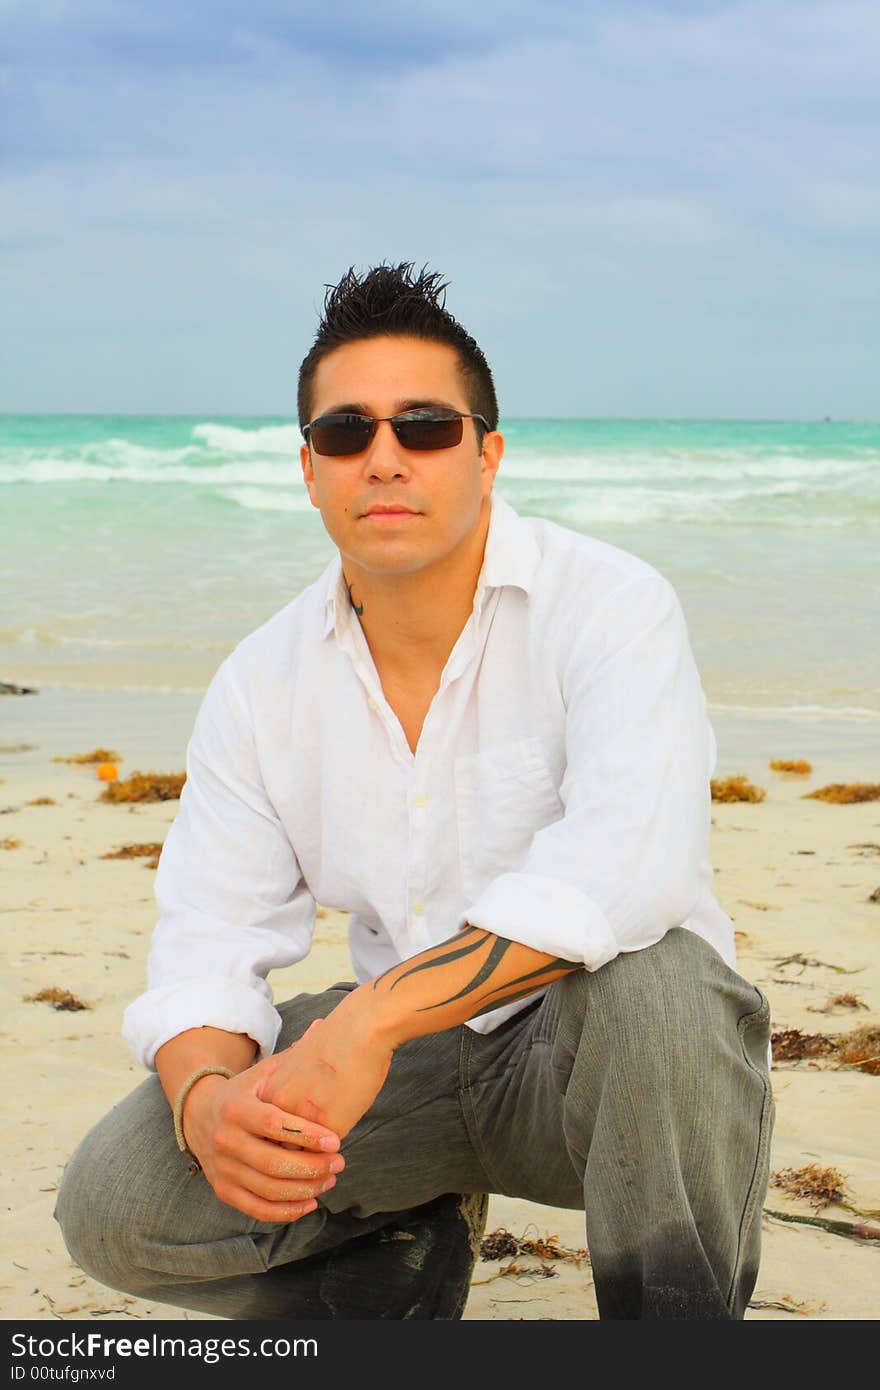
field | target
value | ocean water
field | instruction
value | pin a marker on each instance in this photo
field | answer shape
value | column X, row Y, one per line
column 136, row 551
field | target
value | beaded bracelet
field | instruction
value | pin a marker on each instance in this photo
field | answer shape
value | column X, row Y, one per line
column 179, row 1103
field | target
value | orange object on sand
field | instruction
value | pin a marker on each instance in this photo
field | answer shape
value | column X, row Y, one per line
column 108, row 772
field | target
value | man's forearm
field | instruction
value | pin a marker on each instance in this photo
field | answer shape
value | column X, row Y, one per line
column 334, row 1072
column 471, row 974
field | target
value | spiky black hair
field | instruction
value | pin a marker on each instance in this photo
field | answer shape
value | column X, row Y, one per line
column 396, row 301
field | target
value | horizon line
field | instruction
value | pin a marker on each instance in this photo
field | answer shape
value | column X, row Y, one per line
column 209, row 416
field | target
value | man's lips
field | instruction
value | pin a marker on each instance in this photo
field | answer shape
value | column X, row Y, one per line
column 390, row 510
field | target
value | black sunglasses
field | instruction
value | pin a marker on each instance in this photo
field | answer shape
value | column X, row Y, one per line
column 434, row 428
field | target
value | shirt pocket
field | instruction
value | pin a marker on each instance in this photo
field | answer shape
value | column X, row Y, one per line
column 503, row 796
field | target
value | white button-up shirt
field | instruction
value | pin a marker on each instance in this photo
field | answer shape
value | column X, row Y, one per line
column 558, row 796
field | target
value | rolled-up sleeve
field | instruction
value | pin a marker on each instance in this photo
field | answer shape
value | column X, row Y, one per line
column 622, row 865
column 231, row 898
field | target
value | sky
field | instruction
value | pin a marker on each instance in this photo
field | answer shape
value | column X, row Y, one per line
column 643, row 210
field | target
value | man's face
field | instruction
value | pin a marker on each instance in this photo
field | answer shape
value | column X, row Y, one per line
column 443, row 490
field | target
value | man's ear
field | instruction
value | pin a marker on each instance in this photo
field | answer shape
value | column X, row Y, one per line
column 490, row 458
column 305, row 458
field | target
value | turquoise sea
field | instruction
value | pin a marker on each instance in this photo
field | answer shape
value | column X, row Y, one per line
column 136, row 551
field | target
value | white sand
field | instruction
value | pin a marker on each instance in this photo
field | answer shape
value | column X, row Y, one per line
column 74, row 920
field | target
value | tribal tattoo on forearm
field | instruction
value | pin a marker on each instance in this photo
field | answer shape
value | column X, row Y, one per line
column 489, row 951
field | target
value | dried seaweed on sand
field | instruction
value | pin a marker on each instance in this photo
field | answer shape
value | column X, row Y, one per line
column 820, row 1186
column 845, row 793
column 805, row 961
column 502, row 1244
column 838, row 1001
column 145, row 786
column 790, row 1045
column 785, row 1304
column 852, row 1230
column 61, row 999
column 824, row 1187
column 735, row 789
column 150, row 851
column 861, row 1049
column 790, row 765
column 97, row 755
column 498, row 1245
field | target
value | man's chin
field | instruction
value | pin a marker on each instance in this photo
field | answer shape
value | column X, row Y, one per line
column 391, row 556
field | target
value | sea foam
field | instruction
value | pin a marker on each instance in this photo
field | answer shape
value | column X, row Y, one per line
column 263, row 439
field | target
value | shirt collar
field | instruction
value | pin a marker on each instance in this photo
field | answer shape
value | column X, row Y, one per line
column 511, row 558
column 336, row 594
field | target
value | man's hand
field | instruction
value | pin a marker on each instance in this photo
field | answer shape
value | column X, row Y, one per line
column 333, row 1073
column 260, row 1158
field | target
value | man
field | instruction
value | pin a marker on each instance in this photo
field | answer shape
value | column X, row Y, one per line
column 485, row 737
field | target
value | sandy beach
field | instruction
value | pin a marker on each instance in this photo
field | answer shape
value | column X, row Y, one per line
column 795, row 875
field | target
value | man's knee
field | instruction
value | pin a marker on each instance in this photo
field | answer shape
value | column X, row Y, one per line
column 672, row 1004
column 81, row 1212
column 110, row 1205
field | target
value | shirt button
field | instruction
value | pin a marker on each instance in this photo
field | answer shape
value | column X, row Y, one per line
column 419, row 907
column 374, row 704
column 420, row 800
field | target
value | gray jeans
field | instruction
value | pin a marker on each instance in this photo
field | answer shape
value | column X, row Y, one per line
column 637, row 1093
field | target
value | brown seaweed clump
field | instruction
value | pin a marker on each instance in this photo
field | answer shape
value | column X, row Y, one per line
column 838, row 1001
column 145, row 786
column 152, row 850
column 861, row 1049
column 58, row 998
column 549, row 1248
column 498, row 1245
column 845, row 793
column 790, row 765
column 42, row 801
column 501, row 1244
column 97, row 755
column 735, row 789
column 820, row 1186
column 10, row 843
column 790, row 1045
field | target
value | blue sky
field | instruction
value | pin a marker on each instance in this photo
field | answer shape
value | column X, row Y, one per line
column 643, row 209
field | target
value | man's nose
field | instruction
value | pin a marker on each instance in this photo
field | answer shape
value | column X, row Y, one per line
column 386, row 456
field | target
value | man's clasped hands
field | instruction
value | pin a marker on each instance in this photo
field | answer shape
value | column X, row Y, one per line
column 268, row 1138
